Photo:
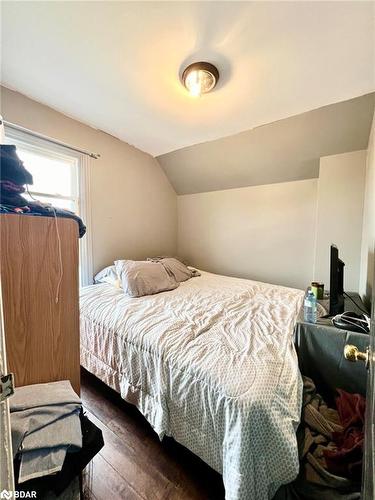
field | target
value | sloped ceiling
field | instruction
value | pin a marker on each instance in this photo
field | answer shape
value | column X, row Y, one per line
column 285, row 150
column 116, row 65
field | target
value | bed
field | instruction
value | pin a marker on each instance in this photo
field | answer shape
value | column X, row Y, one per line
column 211, row 364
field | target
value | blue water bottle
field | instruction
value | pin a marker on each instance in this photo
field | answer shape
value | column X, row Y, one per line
column 310, row 307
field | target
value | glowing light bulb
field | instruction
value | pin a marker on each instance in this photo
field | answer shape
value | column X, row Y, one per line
column 200, row 78
column 193, row 83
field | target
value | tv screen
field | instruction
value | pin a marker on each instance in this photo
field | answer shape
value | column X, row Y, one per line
column 336, row 285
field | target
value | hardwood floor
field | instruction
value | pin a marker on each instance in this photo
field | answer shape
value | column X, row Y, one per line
column 134, row 464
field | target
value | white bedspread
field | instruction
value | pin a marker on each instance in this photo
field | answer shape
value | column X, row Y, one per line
column 212, row 364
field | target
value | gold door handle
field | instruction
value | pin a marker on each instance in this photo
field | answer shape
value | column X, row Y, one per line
column 351, row 353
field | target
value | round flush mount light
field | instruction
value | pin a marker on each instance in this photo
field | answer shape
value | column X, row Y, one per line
column 200, row 78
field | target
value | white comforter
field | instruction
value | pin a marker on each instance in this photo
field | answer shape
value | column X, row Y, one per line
column 213, row 365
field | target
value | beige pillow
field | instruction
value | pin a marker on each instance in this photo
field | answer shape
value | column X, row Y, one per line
column 142, row 277
column 176, row 268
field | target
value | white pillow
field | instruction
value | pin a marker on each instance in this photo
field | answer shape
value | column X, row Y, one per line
column 108, row 275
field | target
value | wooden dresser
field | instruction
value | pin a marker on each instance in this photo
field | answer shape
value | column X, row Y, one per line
column 42, row 336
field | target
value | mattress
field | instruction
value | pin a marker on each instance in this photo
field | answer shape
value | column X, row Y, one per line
column 211, row 364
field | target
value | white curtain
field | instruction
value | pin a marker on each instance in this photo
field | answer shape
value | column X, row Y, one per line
column 85, row 243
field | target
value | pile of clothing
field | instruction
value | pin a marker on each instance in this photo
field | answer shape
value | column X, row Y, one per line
column 13, row 179
column 330, row 445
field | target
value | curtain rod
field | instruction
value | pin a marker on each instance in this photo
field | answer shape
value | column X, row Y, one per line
column 50, row 139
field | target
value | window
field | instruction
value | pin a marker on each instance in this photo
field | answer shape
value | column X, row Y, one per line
column 55, row 176
column 60, row 178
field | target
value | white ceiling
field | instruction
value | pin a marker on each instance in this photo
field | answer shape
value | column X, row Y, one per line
column 282, row 151
column 115, row 65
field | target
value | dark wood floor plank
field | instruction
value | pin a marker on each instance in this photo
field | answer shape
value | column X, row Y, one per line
column 95, row 399
column 105, row 483
column 134, row 467
column 133, row 456
column 170, row 460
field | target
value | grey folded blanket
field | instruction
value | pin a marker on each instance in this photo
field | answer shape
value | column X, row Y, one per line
column 45, row 425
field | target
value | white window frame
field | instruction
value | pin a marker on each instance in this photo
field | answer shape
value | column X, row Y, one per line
column 81, row 198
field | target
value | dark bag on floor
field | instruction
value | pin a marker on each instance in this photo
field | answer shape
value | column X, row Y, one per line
column 92, row 443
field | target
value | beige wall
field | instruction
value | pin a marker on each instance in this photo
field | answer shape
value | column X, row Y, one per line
column 133, row 203
column 368, row 233
column 260, row 232
column 339, row 216
column 280, row 233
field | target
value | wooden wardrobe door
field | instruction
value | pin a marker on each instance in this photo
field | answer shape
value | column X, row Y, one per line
column 42, row 335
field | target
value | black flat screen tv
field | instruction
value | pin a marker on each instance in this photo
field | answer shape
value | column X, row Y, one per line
column 336, row 283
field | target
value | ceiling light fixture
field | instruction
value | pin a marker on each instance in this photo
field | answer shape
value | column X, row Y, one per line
column 200, row 78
